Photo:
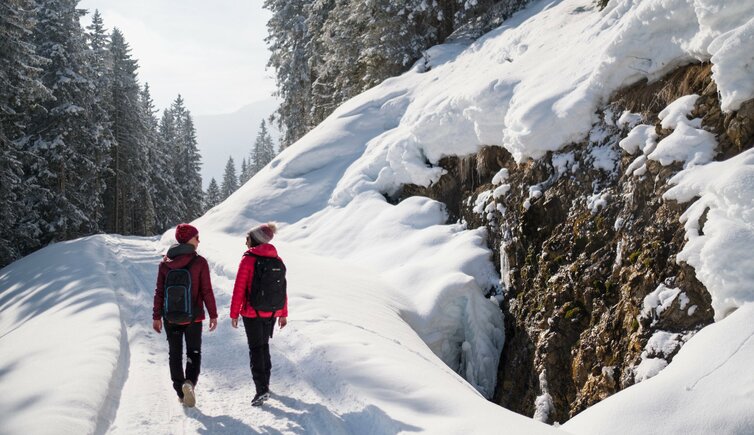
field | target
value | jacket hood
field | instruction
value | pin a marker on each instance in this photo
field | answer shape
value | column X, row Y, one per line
column 179, row 255
column 264, row 250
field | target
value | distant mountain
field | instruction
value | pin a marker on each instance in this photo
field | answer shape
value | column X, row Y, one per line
column 231, row 134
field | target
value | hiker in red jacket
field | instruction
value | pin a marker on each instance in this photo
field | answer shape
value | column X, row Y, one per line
column 184, row 256
column 258, row 323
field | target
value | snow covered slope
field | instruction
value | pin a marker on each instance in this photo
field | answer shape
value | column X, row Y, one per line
column 386, row 304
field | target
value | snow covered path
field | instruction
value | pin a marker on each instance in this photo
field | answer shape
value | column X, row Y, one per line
column 346, row 363
column 148, row 403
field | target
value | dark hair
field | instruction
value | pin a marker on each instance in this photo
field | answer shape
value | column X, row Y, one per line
column 251, row 240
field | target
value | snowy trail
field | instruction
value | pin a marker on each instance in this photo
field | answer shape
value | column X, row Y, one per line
column 77, row 353
column 345, row 364
column 147, row 402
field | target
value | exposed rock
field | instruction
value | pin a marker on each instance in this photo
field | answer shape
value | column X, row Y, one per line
column 739, row 126
column 581, row 246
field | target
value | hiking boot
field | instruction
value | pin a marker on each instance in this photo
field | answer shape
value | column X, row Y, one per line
column 189, row 399
column 259, row 399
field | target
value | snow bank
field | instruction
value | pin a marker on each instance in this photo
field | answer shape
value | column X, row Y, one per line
column 706, row 389
column 730, row 46
column 60, row 339
column 720, row 249
column 441, row 273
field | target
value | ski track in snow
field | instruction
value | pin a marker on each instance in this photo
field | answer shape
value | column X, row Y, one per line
column 722, row 363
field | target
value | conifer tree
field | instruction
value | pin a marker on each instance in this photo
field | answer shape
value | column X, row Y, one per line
column 100, row 62
column 170, row 206
column 160, row 186
column 66, row 132
column 194, row 159
column 188, row 173
column 98, row 42
column 212, row 197
column 100, row 58
column 20, row 90
column 263, row 151
column 290, row 42
column 180, row 165
column 243, row 176
column 129, row 197
column 230, row 181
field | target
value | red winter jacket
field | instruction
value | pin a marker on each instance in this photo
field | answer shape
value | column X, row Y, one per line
column 200, row 282
column 238, row 305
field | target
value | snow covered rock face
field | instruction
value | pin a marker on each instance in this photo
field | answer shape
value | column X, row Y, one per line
column 595, row 299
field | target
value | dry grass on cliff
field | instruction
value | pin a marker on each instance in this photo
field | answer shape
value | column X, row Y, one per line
column 651, row 98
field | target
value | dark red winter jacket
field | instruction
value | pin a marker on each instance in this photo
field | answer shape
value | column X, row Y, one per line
column 177, row 257
column 238, row 305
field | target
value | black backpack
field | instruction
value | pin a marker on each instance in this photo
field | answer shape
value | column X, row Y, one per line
column 268, row 285
column 179, row 308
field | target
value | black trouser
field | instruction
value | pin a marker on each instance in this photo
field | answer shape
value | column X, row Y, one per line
column 258, row 333
column 193, row 334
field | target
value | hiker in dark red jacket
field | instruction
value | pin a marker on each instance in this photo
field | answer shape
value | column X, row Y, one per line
column 258, row 324
column 178, row 257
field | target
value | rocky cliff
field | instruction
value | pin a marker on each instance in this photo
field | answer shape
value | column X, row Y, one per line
column 593, row 298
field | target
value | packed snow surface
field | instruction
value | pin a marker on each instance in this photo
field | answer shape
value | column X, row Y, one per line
column 390, row 330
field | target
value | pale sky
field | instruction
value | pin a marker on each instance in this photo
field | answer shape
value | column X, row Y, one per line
column 211, row 52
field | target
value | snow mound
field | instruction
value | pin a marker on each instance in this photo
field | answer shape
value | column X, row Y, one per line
column 60, row 339
column 441, row 271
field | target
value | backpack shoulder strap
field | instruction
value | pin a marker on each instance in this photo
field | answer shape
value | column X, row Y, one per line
column 188, row 265
column 248, row 289
column 195, row 308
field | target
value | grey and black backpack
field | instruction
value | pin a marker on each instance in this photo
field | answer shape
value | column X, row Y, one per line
column 179, row 307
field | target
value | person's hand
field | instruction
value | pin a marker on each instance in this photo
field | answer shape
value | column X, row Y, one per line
column 212, row 324
column 234, row 322
column 157, row 325
column 282, row 321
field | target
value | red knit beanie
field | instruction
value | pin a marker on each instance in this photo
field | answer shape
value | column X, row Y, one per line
column 185, row 232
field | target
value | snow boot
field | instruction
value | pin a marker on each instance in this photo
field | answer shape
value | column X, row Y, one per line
column 259, row 399
column 189, row 398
